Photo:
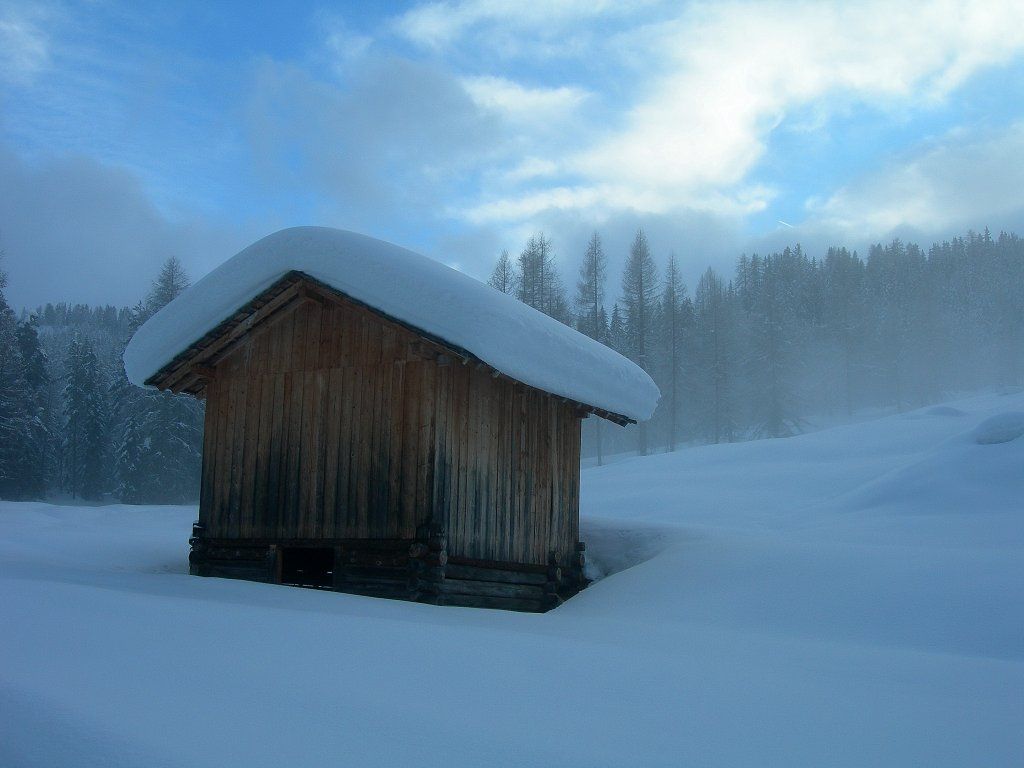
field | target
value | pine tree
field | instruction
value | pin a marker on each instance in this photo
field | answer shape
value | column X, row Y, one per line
column 171, row 281
column 504, row 277
column 17, row 416
column 36, row 452
column 591, row 318
column 85, row 422
column 676, row 320
column 716, row 355
column 843, row 277
column 772, row 361
column 617, row 330
column 158, row 453
column 539, row 284
column 639, row 301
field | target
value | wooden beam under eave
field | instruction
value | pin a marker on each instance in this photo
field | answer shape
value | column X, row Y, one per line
column 239, row 328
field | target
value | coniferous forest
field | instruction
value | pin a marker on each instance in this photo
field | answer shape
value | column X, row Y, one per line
column 73, row 427
column 788, row 342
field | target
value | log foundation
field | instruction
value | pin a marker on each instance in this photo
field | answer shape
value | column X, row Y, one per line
column 417, row 569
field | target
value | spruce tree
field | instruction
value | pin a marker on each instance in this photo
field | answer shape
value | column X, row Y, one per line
column 617, row 330
column 773, row 358
column 676, row 320
column 85, row 422
column 716, row 357
column 158, row 454
column 37, row 454
column 843, row 278
column 17, row 415
column 639, row 302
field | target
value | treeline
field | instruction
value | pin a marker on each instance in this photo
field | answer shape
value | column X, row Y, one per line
column 786, row 342
column 72, row 425
column 790, row 340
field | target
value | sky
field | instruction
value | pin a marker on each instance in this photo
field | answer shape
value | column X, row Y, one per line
column 130, row 132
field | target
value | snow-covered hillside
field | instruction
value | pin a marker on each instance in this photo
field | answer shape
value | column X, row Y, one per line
column 849, row 597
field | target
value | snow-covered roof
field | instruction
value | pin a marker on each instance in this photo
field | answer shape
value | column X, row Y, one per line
column 508, row 335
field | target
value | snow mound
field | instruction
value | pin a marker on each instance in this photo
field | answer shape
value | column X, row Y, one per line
column 956, row 476
column 519, row 341
column 945, row 410
column 1001, row 428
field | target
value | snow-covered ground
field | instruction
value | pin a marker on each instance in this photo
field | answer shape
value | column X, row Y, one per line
column 850, row 597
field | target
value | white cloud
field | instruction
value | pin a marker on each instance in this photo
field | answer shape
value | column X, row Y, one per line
column 960, row 181
column 437, row 25
column 531, row 168
column 736, row 70
column 24, row 46
column 344, row 45
column 713, row 82
column 521, row 104
column 601, row 200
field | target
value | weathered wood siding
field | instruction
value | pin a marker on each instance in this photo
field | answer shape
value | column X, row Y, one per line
column 329, row 422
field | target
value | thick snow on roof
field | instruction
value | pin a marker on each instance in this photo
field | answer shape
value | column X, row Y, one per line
column 519, row 341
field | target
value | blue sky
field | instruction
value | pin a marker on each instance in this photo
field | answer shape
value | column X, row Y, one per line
column 134, row 131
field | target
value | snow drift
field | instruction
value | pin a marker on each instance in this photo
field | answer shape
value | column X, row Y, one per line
column 852, row 597
column 514, row 338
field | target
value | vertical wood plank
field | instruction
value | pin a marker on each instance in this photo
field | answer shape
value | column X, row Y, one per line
column 263, row 451
column 290, row 513
column 345, row 486
column 462, row 404
column 396, row 443
column 425, row 439
column 442, row 460
column 249, row 453
column 410, row 440
column 209, row 465
column 331, row 450
column 237, row 439
column 483, row 459
column 361, row 447
column 383, row 521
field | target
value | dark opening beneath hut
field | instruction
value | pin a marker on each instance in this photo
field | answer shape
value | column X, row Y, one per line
column 307, row 567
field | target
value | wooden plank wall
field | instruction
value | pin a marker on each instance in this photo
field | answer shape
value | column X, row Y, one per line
column 327, row 423
column 508, row 469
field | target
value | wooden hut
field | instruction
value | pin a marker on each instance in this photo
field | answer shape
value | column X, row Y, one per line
column 347, row 447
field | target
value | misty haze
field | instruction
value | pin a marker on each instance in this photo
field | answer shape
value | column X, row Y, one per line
column 482, row 383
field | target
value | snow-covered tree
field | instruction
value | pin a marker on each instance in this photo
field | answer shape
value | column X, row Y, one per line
column 37, row 451
column 158, row 454
column 85, row 422
column 18, row 420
